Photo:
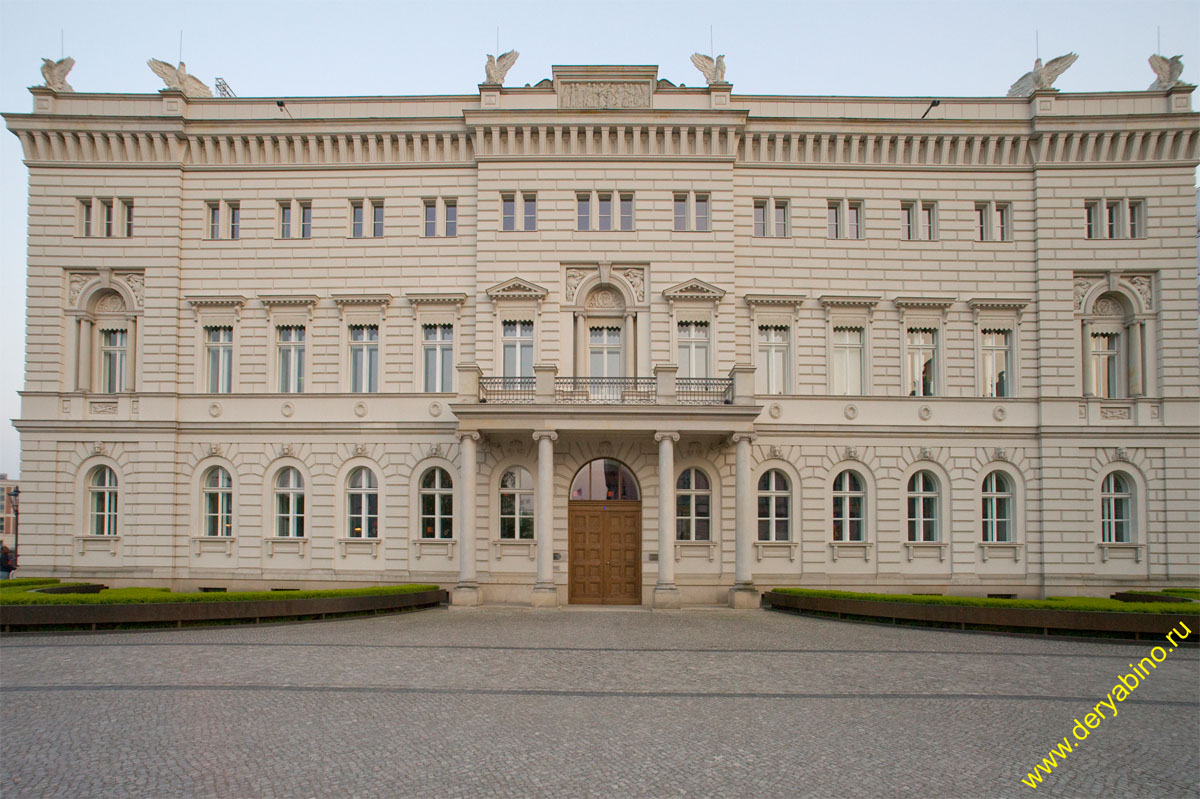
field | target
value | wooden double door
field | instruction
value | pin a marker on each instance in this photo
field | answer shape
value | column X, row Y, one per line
column 605, row 553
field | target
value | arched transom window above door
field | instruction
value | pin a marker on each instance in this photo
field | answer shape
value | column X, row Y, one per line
column 605, row 479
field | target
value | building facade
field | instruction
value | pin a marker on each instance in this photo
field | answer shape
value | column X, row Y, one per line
column 610, row 340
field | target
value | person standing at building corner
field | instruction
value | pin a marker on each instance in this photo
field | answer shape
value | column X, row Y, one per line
column 7, row 563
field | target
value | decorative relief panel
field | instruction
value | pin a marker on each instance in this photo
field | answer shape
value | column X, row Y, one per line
column 635, row 276
column 575, row 276
column 75, row 284
column 604, row 299
column 1141, row 284
column 603, row 94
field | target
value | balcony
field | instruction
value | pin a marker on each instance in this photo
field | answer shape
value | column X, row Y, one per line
column 609, row 390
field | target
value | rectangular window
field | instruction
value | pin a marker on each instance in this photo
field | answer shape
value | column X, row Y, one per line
column 439, row 358
column 377, row 218
column 854, row 216
column 1003, row 222
column 604, row 352
column 681, row 214
column 928, row 221
column 356, row 220
column 108, row 217
column 833, row 218
column 218, row 360
column 127, row 205
column 451, row 218
column 604, row 209
column 235, row 221
column 364, row 359
column 1137, row 219
column 1113, row 219
column 430, row 218
column 290, row 344
column 847, row 360
column 702, row 215
column 781, row 218
column 693, row 349
column 1092, row 219
column 85, row 217
column 922, row 362
column 113, row 352
column 306, row 220
column 908, row 221
column 508, row 212
column 997, row 357
column 517, row 349
column 1104, row 364
column 773, row 359
column 583, row 212
column 530, row 201
column 982, row 222
column 760, row 217
column 285, row 219
column 626, row 212
column 214, row 220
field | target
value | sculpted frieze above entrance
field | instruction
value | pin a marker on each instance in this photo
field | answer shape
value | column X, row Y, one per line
column 604, row 94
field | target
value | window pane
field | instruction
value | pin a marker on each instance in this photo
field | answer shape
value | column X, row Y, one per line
column 527, row 527
column 451, row 219
column 701, row 212
column 508, row 527
column 681, row 212
column 583, row 212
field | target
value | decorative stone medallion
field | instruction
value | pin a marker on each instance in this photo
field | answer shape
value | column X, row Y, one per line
column 360, row 409
column 850, row 411
column 287, row 409
column 999, row 413
column 214, row 410
column 435, row 409
column 776, row 410
column 925, row 412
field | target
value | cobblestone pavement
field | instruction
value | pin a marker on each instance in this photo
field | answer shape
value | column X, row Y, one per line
column 577, row 703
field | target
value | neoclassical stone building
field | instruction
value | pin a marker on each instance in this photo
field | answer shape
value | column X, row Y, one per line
column 611, row 340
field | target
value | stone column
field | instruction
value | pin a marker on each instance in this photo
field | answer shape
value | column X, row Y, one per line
column 744, row 594
column 466, row 593
column 83, row 356
column 581, row 345
column 1134, row 358
column 545, row 594
column 666, row 594
column 1089, row 379
column 629, row 346
column 131, row 354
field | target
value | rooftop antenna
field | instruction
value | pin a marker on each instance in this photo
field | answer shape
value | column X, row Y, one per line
column 223, row 89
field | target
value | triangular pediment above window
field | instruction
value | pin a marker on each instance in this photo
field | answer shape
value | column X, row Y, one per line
column 694, row 289
column 517, row 289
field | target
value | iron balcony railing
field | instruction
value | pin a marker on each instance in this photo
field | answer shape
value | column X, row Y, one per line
column 704, row 391
column 606, row 390
column 506, row 390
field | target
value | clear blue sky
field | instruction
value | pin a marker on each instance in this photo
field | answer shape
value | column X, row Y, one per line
column 936, row 48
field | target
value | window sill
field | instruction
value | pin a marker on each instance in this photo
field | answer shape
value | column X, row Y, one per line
column 922, row 548
column 691, row 549
column 514, row 546
column 209, row 544
column 987, row 547
column 1122, row 550
column 285, row 546
column 98, row 543
column 776, row 549
column 852, row 547
column 358, row 546
column 433, row 546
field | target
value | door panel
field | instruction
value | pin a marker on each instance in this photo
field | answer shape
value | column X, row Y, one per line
column 605, row 548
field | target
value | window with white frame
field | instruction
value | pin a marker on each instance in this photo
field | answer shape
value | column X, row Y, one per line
column 127, row 214
column 364, row 359
column 693, row 506
column 626, row 209
column 693, row 341
column 923, row 498
column 1091, row 216
column 223, row 219
column 289, row 503
column 833, row 214
column 430, row 221
column 604, row 211
column 993, row 221
column 918, row 221
column 995, row 352
column 109, row 214
column 771, row 218
column 1114, row 218
column 692, row 211
column 285, row 219
column 85, row 216
column 604, row 352
column 921, row 346
column 517, row 348
column 291, row 212
column 235, row 220
column 529, row 210
column 218, row 502
column 1116, row 509
column 774, row 506
column 997, row 510
column 449, row 217
column 289, row 346
column 450, row 209
column 439, row 358
column 213, row 220
column 436, row 501
column 114, row 352
column 102, row 501
column 366, row 219
column 218, row 359
column 1137, row 219
column 516, row 504
column 362, row 504
column 1106, row 352
column 583, row 211
column 848, row 360
column 703, row 221
column 773, row 357
column 849, row 507
column 518, row 217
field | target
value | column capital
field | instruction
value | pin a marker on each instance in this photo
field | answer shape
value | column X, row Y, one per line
column 471, row 434
column 666, row 436
column 538, row 435
column 737, row 438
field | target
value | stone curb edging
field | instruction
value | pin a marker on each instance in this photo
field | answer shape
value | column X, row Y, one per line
column 13, row 618
column 1020, row 619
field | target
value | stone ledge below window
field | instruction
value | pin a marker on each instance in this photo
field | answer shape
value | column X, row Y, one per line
column 772, row 549
column 514, row 546
column 922, row 547
column 358, row 546
column 97, row 543
column 691, row 549
column 1107, row 550
column 208, row 544
column 854, row 548
column 285, row 546
column 433, row 546
column 987, row 548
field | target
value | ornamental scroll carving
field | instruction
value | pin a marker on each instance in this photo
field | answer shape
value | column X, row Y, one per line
column 75, row 284
column 110, row 303
column 574, row 278
column 604, row 299
column 1141, row 284
column 636, row 280
column 136, row 285
column 1082, row 286
column 1106, row 306
column 604, row 94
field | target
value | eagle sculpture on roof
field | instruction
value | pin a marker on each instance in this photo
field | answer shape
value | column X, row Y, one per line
column 1168, row 71
column 55, row 73
column 1042, row 76
column 714, row 71
column 178, row 78
column 497, row 68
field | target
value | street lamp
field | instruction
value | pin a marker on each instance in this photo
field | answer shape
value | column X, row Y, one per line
column 15, row 497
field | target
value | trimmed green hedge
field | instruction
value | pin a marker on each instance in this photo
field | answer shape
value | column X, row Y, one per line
column 1186, row 593
column 22, row 595
column 22, row 582
column 1050, row 603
